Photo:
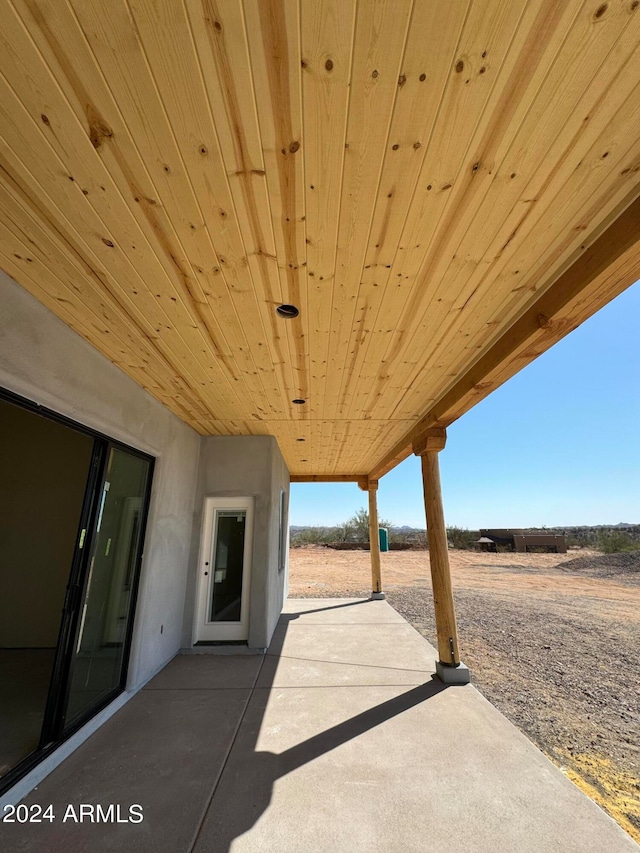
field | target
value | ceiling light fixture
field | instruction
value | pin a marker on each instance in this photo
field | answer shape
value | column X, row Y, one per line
column 287, row 311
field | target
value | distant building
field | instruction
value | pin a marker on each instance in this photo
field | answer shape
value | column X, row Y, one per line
column 522, row 542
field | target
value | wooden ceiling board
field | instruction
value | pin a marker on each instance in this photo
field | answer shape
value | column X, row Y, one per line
column 194, row 189
column 324, row 444
column 460, row 342
column 168, row 50
column 472, row 272
column 220, row 38
column 52, row 293
column 327, row 38
column 617, row 202
column 273, row 35
column 222, row 49
column 381, row 31
column 419, row 178
column 69, row 288
column 134, row 355
column 167, row 193
column 456, row 179
column 544, row 268
column 96, row 221
column 455, row 103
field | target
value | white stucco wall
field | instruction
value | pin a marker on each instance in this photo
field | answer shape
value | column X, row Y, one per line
column 42, row 359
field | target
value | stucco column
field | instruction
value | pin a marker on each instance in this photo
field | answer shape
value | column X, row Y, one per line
column 449, row 667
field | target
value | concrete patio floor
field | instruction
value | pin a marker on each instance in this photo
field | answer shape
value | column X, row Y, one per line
column 339, row 739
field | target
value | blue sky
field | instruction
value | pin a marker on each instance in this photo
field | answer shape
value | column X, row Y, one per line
column 559, row 444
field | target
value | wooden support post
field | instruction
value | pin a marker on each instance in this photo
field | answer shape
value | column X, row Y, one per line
column 374, row 539
column 448, row 667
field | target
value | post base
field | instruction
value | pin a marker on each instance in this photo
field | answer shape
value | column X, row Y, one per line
column 453, row 674
column 378, row 596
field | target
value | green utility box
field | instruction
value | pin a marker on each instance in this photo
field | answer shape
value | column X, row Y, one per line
column 384, row 538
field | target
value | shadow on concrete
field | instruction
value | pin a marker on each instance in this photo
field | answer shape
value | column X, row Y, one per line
column 248, row 776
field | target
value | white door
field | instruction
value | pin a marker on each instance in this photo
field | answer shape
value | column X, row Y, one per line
column 224, row 570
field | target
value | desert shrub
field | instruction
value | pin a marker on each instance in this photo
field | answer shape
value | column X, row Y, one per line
column 614, row 541
column 342, row 532
column 404, row 536
column 314, row 536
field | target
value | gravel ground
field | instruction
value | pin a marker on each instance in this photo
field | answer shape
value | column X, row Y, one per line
column 553, row 643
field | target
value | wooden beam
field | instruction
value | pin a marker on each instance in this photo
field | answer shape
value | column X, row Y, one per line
column 365, row 483
column 601, row 272
column 327, row 478
column 374, row 538
column 434, row 439
column 439, row 551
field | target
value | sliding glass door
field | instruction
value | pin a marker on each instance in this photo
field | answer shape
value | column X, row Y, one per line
column 71, row 536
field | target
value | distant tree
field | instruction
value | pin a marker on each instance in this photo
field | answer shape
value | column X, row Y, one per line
column 460, row 537
column 356, row 528
column 342, row 532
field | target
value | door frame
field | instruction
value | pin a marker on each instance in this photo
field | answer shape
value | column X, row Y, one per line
column 205, row 632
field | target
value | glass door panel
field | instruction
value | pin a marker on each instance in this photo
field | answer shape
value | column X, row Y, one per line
column 99, row 653
column 228, row 563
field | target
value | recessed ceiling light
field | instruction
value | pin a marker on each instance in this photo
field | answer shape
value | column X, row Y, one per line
column 288, row 311
column 298, row 401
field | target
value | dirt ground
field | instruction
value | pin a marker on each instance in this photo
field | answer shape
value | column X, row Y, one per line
column 552, row 640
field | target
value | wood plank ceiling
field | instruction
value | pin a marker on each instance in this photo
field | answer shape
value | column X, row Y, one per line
column 413, row 175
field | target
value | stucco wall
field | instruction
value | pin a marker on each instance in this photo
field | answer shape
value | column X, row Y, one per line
column 239, row 466
column 45, row 361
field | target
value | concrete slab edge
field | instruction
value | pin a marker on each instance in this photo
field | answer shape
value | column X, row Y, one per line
column 221, row 650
